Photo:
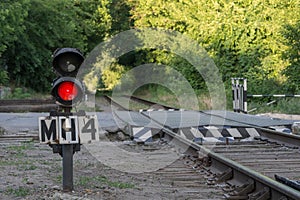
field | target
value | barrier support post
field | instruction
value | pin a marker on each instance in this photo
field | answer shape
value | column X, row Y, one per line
column 245, row 97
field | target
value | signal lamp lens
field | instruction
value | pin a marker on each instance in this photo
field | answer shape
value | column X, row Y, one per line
column 66, row 61
column 67, row 91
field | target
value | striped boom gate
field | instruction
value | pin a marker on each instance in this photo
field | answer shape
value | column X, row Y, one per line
column 240, row 96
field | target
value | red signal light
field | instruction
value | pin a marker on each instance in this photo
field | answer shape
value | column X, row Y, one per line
column 67, row 91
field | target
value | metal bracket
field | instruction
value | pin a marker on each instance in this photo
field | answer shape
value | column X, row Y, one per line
column 56, row 113
column 242, row 191
column 57, row 148
column 224, row 176
column 221, row 177
column 263, row 194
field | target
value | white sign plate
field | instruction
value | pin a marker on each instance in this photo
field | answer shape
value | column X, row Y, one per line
column 68, row 130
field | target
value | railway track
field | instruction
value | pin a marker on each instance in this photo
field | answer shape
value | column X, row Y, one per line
column 241, row 180
column 246, row 170
column 125, row 102
column 265, row 157
column 181, row 179
column 27, row 105
column 236, row 170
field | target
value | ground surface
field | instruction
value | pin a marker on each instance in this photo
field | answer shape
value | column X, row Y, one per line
column 29, row 170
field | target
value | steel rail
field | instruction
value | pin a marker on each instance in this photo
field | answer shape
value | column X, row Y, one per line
column 27, row 105
column 147, row 102
column 266, row 133
column 7, row 102
column 277, row 190
column 279, row 137
column 113, row 102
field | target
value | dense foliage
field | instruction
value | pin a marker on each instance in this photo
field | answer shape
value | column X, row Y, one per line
column 256, row 39
column 33, row 29
column 245, row 38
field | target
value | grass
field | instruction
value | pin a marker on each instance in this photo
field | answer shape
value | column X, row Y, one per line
column 19, row 150
column 58, row 178
column 18, row 154
column 199, row 101
column 23, row 147
column 25, row 93
column 282, row 105
column 30, row 167
column 163, row 95
column 18, row 192
column 97, row 181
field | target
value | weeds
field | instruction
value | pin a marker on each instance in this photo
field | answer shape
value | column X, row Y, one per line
column 102, row 180
column 58, row 178
column 23, row 147
column 30, row 167
column 19, row 192
column 282, row 105
column 19, row 150
column 18, row 153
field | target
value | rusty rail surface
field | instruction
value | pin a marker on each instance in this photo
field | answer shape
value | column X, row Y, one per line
column 114, row 103
column 27, row 105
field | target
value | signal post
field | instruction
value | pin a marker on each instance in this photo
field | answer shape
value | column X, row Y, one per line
column 63, row 130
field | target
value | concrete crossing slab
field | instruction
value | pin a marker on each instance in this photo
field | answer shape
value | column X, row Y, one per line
column 250, row 120
column 182, row 119
column 206, row 124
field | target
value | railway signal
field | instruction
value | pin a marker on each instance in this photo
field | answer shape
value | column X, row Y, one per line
column 63, row 130
column 66, row 89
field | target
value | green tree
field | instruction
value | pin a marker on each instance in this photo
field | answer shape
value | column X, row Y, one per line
column 243, row 37
column 12, row 15
column 102, row 18
column 33, row 29
column 256, row 39
column 48, row 25
column 292, row 34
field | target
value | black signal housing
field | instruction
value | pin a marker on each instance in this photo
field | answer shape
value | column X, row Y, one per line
column 66, row 89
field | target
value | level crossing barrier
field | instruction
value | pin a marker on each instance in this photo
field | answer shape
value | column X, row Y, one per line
column 240, row 95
